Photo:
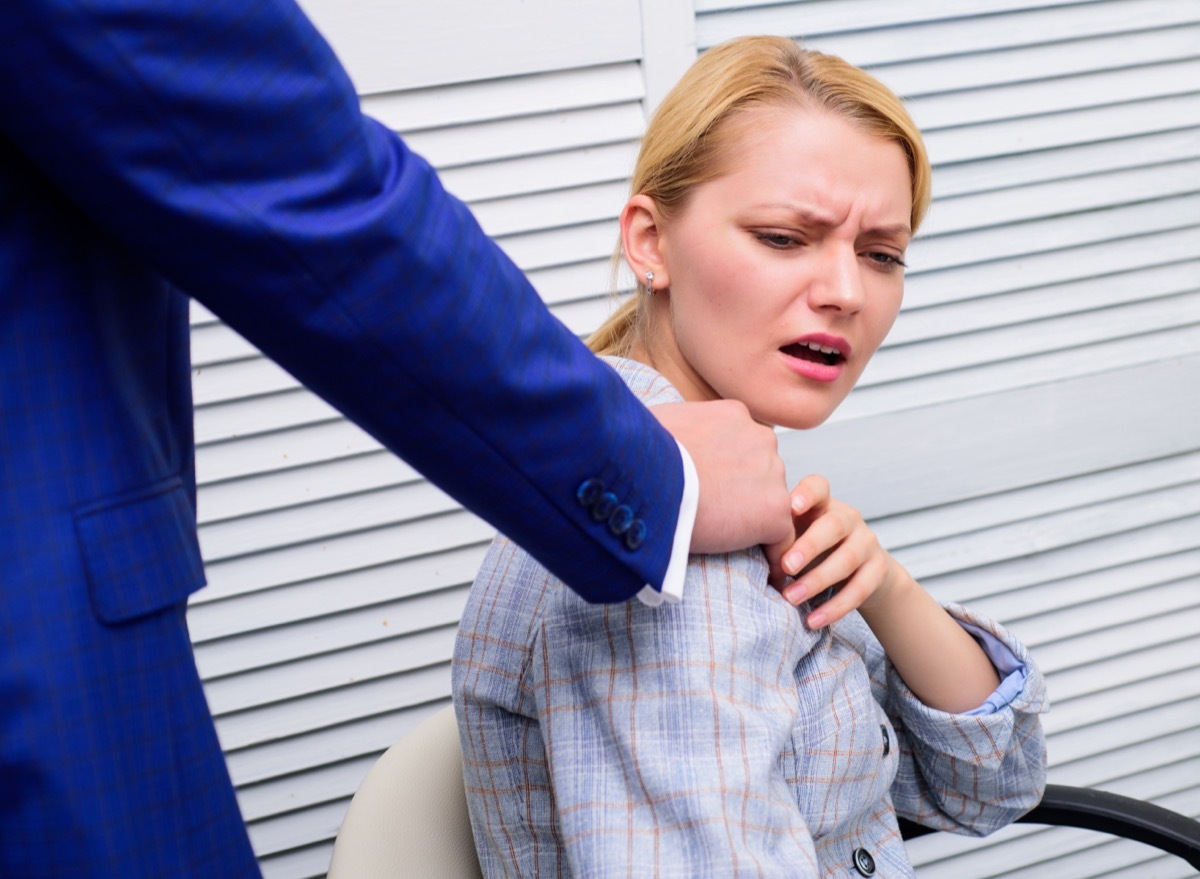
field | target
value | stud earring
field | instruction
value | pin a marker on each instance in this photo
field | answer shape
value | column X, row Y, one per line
column 649, row 283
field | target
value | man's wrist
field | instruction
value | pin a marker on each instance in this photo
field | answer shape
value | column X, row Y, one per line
column 676, row 573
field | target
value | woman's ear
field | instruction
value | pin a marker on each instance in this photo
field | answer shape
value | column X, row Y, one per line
column 641, row 239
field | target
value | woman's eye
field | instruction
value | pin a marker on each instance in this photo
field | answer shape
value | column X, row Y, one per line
column 885, row 260
column 776, row 239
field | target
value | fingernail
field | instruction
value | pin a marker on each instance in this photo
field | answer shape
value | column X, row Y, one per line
column 815, row 620
column 798, row 502
column 792, row 562
column 794, row 593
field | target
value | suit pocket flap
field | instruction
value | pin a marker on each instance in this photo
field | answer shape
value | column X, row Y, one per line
column 140, row 552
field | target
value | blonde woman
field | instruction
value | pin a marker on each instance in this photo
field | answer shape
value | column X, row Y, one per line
column 748, row 730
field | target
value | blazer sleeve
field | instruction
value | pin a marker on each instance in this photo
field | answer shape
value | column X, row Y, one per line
column 221, row 143
column 664, row 728
column 966, row 773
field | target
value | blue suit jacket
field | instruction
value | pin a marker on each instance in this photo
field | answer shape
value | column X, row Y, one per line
column 215, row 148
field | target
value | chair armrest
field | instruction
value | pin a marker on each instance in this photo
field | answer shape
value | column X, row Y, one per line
column 1120, row 816
column 1064, row 806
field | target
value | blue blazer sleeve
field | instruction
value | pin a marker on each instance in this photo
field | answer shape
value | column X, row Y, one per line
column 221, row 142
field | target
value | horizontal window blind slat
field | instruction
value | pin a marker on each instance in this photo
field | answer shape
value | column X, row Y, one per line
column 1048, row 28
column 992, row 104
column 350, row 741
column 232, row 454
column 1135, row 322
column 1092, row 293
column 1103, row 59
column 966, row 517
column 261, row 492
column 1007, row 137
column 510, row 138
column 1030, row 371
column 1063, row 163
column 444, row 106
column 277, row 529
column 719, row 20
column 310, row 709
column 342, row 553
column 320, row 597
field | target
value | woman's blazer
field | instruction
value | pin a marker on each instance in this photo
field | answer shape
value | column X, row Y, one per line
column 717, row 737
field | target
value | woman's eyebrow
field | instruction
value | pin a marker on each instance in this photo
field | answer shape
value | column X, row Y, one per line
column 809, row 215
column 895, row 230
column 815, row 217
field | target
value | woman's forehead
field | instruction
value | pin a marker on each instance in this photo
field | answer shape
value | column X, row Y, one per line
column 782, row 153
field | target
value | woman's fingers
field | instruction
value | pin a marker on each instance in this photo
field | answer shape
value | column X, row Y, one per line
column 809, row 492
column 833, row 549
column 860, row 587
column 808, row 500
column 838, row 562
column 833, row 523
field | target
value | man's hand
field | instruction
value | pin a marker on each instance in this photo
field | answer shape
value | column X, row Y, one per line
column 744, row 499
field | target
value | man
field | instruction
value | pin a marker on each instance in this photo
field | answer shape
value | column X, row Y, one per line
column 151, row 151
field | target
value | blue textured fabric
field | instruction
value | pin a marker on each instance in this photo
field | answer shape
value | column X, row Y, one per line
column 153, row 150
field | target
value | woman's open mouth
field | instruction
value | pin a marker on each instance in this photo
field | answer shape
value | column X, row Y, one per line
column 814, row 353
column 818, row 357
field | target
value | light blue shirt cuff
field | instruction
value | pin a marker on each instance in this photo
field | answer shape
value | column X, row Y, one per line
column 673, row 579
column 1010, row 669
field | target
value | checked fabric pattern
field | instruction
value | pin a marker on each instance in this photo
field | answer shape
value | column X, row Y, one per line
column 716, row 737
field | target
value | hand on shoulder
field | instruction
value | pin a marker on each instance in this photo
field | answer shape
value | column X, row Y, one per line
column 744, row 499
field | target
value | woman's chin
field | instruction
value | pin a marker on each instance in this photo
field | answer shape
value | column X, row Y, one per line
column 804, row 424
column 794, row 419
column 801, row 409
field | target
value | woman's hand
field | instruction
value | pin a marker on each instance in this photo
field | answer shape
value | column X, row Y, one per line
column 832, row 547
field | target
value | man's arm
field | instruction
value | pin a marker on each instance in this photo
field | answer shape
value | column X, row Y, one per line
column 222, row 143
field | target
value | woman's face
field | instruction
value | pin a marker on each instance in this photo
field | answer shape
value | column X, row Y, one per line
column 785, row 274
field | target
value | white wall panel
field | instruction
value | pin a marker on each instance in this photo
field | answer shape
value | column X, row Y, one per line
column 388, row 45
column 1027, row 440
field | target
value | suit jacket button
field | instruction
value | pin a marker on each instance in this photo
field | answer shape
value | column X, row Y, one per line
column 589, row 491
column 604, row 506
column 620, row 520
column 887, row 740
column 863, row 862
column 636, row 535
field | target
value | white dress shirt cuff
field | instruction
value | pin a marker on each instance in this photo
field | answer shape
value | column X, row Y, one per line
column 672, row 586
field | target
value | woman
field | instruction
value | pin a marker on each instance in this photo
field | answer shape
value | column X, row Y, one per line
column 774, row 197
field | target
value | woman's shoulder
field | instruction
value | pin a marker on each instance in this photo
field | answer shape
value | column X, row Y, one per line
column 508, row 564
column 647, row 384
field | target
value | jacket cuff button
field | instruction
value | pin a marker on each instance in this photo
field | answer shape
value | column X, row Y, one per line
column 604, row 506
column 620, row 520
column 589, row 491
column 636, row 535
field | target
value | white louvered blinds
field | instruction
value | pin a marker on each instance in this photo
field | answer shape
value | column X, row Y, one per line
column 1028, row 440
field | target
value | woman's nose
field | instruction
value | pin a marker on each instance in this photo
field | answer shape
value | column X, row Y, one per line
column 838, row 284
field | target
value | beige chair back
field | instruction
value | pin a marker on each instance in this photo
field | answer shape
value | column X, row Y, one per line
column 409, row 816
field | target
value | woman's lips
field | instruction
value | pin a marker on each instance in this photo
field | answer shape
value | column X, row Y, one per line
column 818, row 357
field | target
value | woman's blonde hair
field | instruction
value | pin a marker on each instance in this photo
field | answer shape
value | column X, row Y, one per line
column 688, row 140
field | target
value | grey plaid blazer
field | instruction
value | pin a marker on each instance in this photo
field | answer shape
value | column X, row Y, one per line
column 716, row 737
